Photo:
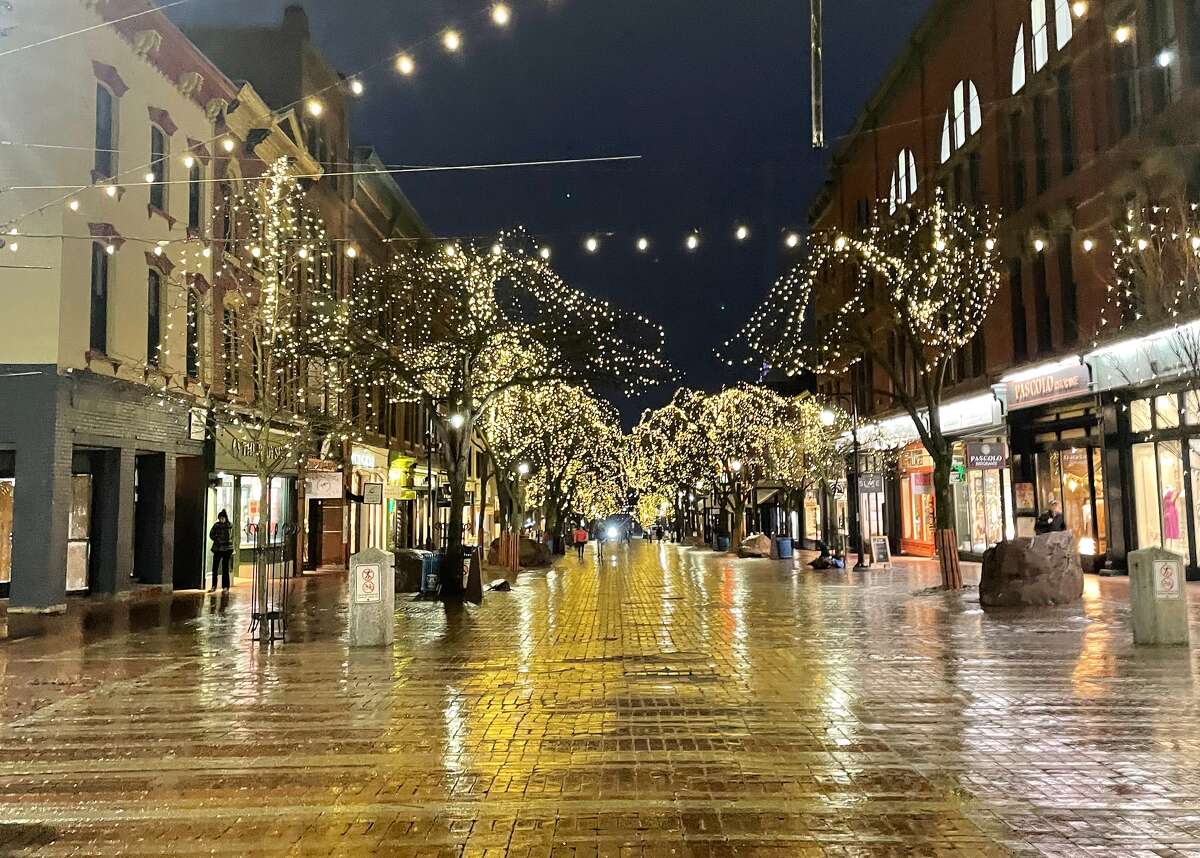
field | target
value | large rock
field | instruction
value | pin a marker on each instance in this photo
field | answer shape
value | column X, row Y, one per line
column 533, row 554
column 1043, row 570
column 755, row 545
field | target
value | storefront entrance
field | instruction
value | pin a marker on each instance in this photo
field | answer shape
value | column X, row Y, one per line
column 982, row 495
column 917, row 519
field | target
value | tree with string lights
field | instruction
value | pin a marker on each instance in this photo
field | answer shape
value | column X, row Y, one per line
column 458, row 324
column 669, row 455
column 905, row 293
column 274, row 287
column 569, row 440
column 808, row 447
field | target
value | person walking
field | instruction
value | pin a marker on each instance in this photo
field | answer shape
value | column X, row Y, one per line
column 581, row 538
column 221, row 535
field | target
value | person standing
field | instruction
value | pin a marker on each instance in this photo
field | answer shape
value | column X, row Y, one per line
column 221, row 535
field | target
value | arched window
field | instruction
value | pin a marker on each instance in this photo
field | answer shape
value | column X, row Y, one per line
column 963, row 119
column 1018, row 71
column 904, row 180
column 1062, row 23
column 1041, row 36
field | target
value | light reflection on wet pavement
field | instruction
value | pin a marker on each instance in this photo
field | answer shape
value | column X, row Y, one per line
column 667, row 702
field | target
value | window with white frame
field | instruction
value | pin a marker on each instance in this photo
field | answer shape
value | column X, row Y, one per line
column 1019, row 67
column 1062, row 23
column 1041, row 35
column 904, row 180
column 963, row 119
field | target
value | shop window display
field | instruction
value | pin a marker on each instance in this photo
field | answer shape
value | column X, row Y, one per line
column 252, row 517
column 917, row 503
column 980, row 510
column 1074, row 478
column 1160, row 496
column 812, row 517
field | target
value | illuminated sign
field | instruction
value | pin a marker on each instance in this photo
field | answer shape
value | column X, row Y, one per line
column 1050, row 386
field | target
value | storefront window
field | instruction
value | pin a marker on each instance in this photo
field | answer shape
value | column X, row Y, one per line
column 1167, row 410
column 1077, row 491
column 1160, row 498
column 79, row 528
column 1098, row 488
column 917, row 496
column 1194, row 458
column 1063, row 477
column 251, row 508
column 1191, row 402
column 812, row 517
column 6, row 532
column 1139, row 415
column 982, row 514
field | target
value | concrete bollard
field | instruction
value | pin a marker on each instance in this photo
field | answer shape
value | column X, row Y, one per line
column 1158, row 593
column 372, row 598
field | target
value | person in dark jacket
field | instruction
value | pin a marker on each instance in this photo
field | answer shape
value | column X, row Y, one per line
column 1051, row 520
column 221, row 535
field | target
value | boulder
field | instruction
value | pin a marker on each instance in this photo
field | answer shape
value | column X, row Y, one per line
column 1042, row 570
column 533, row 554
column 755, row 545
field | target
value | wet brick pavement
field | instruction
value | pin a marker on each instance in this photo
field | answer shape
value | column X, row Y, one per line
column 669, row 702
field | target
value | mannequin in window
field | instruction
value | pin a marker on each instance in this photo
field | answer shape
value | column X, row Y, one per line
column 1170, row 513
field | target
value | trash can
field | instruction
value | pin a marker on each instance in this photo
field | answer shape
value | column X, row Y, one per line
column 722, row 543
column 783, row 547
column 430, row 572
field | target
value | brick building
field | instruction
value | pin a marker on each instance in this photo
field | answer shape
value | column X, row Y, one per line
column 1060, row 115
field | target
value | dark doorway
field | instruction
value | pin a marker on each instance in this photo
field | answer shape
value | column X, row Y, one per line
column 191, row 488
column 325, row 544
column 148, row 508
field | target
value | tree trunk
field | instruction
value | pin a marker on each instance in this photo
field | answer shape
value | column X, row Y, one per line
column 944, row 538
column 452, row 565
column 738, row 527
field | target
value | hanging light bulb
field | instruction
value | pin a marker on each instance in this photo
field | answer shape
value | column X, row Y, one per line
column 792, row 240
column 188, row 162
column 1039, row 245
column 501, row 15
column 314, row 107
column 451, row 251
column 693, row 242
column 643, row 244
column 1088, row 245
column 356, row 86
column 405, row 65
column 111, row 190
column 1079, row 8
column 150, row 178
column 73, row 205
column 544, row 252
column 451, row 40
column 1122, row 34
column 110, row 249
column 227, row 144
column 352, row 251
column 592, row 244
column 742, row 232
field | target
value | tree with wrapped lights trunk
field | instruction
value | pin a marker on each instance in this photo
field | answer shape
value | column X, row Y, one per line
column 271, row 298
column 906, row 294
column 460, row 325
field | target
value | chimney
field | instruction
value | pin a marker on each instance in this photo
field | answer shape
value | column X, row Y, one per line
column 295, row 21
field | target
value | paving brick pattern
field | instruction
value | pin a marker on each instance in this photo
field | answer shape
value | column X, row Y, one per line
column 667, row 702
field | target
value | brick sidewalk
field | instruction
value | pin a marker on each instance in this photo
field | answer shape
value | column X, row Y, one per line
column 667, row 702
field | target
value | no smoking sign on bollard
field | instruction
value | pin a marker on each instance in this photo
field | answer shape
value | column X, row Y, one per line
column 372, row 598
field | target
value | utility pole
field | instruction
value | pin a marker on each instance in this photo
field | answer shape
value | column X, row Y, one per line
column 816, row 51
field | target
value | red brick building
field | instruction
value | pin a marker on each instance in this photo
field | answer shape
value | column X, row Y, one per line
column 1060, row 115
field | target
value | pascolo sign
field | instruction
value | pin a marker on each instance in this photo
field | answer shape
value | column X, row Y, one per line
column 986, row 456
column 1048, row 387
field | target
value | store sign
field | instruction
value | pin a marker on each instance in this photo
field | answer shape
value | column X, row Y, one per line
column 197, row 424
column 242, row 451
column 881, row 550
column 321, row 465
column 986, row 456
column 915, row 458
column 323, row 485
column 970, row 413
column 1048, row 387
column 372, row 494
column 366, row 584
column 1167, row 579
column 870, row 483
column 958, row 473
column 364, row 457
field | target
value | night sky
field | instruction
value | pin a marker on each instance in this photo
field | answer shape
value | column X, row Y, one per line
column 712, row 93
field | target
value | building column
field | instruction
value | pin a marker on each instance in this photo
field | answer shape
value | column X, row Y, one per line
column 41, row 508
column 114, row 522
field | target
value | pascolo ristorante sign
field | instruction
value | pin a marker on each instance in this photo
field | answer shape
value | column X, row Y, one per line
column 1048, row 387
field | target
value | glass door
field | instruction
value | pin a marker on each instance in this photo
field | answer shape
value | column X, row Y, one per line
column 79, row 533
